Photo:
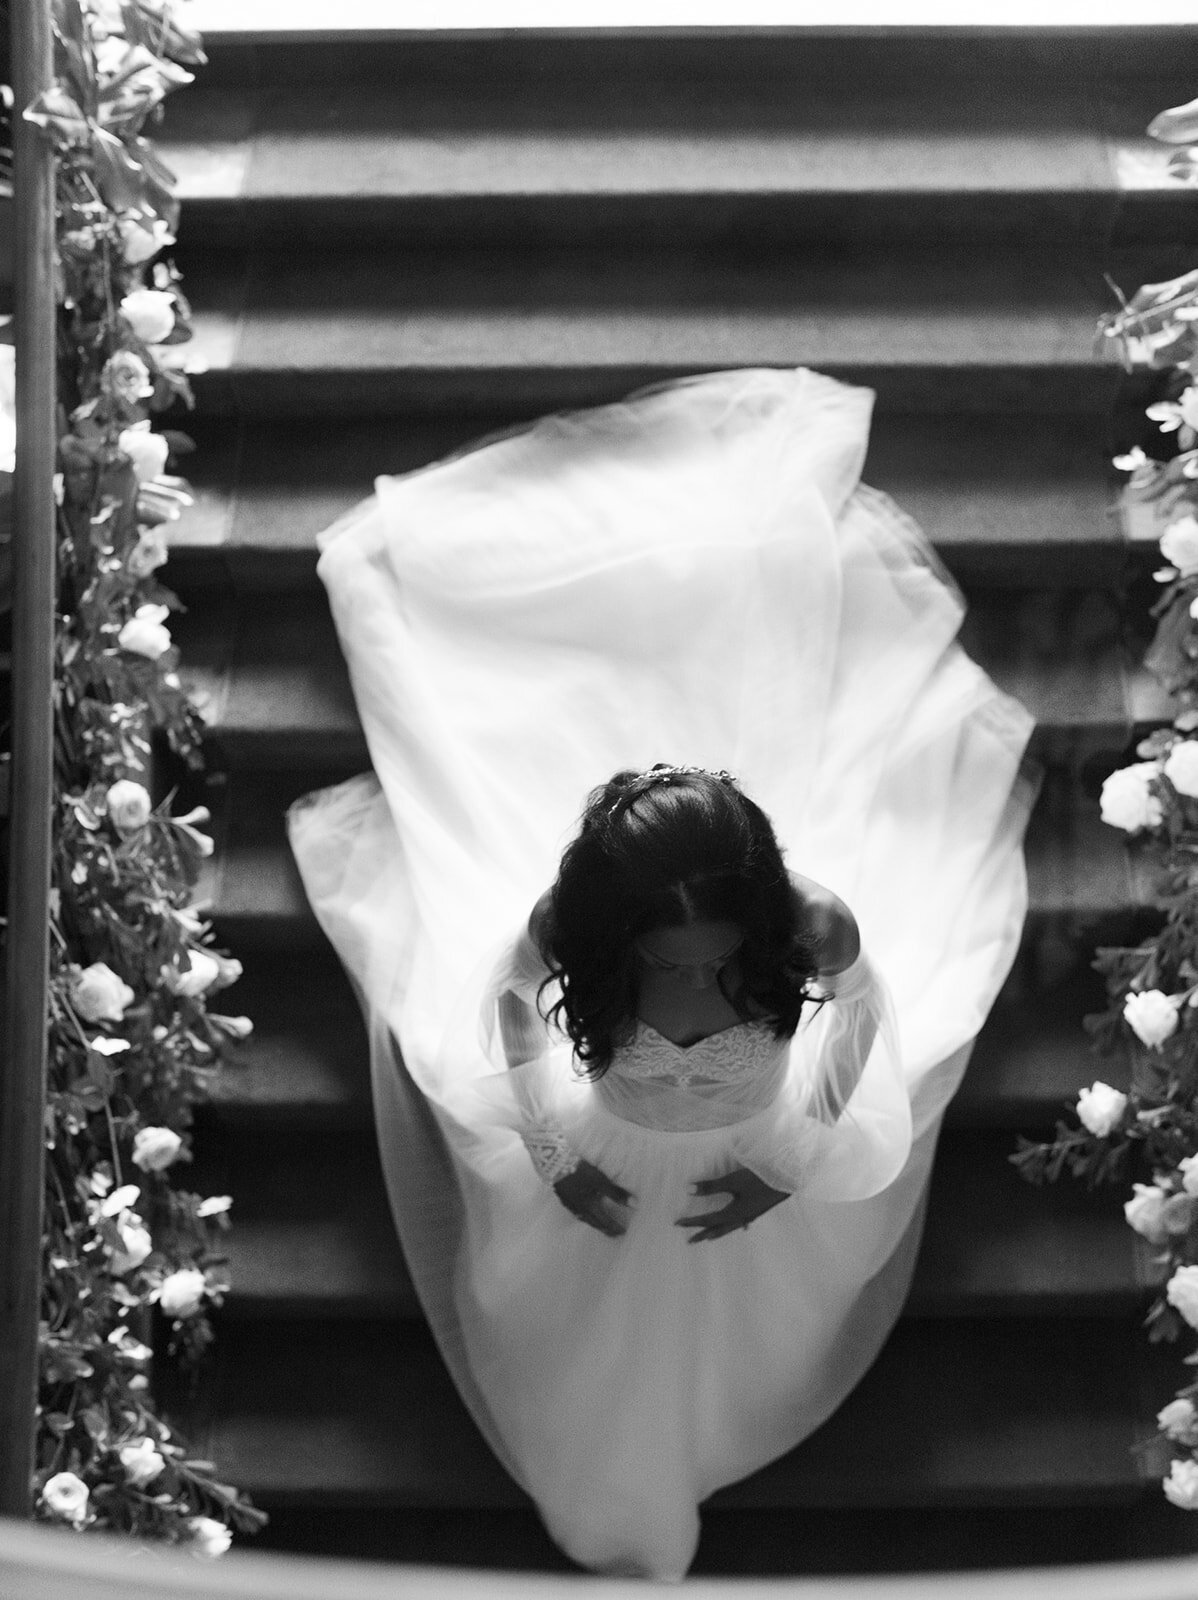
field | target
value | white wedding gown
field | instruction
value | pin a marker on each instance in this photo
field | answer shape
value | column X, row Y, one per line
column 693, row 576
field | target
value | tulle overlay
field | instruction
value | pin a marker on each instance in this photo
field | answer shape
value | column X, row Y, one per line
column 695, row 575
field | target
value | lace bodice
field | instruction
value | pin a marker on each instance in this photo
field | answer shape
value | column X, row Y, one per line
column 744, row 1048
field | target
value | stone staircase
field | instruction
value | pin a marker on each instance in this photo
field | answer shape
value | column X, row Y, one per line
column 395, row 244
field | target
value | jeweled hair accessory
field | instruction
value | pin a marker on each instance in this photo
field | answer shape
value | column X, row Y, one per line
column 663, row 774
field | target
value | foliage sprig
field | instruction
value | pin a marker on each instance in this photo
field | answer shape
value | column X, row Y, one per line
column 134, row 1036
column 1149, row 1130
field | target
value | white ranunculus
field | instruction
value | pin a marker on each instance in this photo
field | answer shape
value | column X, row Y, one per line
column 1181, row 767
column 141, row 239
column 144, row 633
column 150, row 313
column 1144, row 1212
column 1177, row 1419
column 148, row 554
column 1188, row 1167
column 1179, row 544
column 141, row 1461
column 147, row 450
column 136, row 1244
column 129, row 805
column 1151, row 1016
column 1127, row 801
column 66, row 1496
column 202, row 972
column 1100, row 1109
column 155, row 1148
column 209, row 1537
column 182, row 1293
column 1181, row 1486
column 98, row 995
column 1181, row 1291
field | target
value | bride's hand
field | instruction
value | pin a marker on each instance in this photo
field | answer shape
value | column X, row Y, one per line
column 586, row 1191
column 752, row 1197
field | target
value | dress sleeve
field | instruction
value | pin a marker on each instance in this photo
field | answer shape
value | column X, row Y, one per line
column 841, row 1129
column 511, row 1012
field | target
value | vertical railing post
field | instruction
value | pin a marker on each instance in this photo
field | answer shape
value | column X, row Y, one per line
column 23, row 1065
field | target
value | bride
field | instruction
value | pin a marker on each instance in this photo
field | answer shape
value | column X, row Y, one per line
column 657, row 1138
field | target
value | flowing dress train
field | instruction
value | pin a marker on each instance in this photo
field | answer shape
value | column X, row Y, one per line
column 695, row 575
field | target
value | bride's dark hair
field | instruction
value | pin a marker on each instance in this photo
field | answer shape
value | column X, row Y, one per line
column 663, row 849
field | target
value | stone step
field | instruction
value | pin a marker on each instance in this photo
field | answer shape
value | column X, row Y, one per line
column 251, row 43
column 361, row 333
column 276, row 694
column 304, row 1069
column 1015, row 499
column 313, row 1235
column 954, row 1412
column 1080, row 873
column 584, row 154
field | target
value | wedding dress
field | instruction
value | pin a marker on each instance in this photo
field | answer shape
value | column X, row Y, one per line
column 693, row 576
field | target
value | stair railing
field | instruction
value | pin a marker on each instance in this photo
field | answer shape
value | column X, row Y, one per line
column 23, row 1064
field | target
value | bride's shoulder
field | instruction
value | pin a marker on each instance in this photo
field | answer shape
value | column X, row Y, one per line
column 824, row 918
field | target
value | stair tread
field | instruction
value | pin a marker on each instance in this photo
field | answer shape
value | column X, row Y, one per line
column 305, row 1063
column 952, row 1412
column 314, row 1237
column 428, row 310
column 590, row 135
column 1076, row 864
column 1033, row 493
column 274, row 687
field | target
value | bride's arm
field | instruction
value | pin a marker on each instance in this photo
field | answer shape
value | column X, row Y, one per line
column 829, row 922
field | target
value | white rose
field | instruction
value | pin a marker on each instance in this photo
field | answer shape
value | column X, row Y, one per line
column 136, row 1244
column 1100, row 1109
column 144, row 633
column 66, row 1496
column 209, row 1537
column 1143, row 1212
column 230, row 969
column 182, row 1293
column 98, row 995
column 1177, row 1419
column 1181, row 1292
column 1181, row 1486
column 1151, row 1016
column 148, row 554
column 1127, row 802
column 127, row 377
column 155, row 1148
column 142, row 1463
column 148, row 451
column 129, row 805
column 150, row 313
column 1188, row 1167
column 202, row 972
column 236, row 1027
column 1181, row 767
column 141, row 240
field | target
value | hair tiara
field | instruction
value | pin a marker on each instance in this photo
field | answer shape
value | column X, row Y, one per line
column 662, row 774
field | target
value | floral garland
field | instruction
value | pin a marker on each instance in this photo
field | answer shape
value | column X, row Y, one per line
column 132, row 1044
column 1151, row 1018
